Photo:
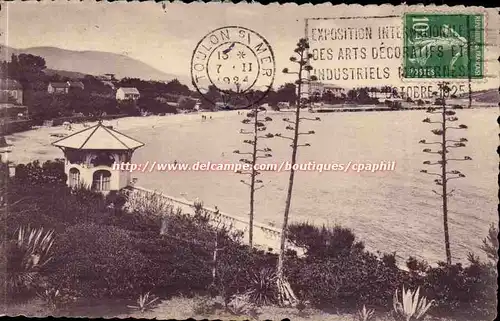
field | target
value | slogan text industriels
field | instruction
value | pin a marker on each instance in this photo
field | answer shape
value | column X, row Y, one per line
column 382, row 52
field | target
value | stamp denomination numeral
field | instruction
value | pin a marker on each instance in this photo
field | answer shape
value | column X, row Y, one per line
column 420, row 25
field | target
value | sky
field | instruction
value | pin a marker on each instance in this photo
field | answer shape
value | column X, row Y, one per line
column 165, row 37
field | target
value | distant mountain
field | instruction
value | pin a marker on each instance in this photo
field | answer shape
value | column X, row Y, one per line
column 95, row 63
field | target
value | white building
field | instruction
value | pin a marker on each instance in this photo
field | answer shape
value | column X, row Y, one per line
column 90, row 155
column 64, row 87
column 463, row 102
column 381, row 96
column 127, row 93
column 11, row 91
column 317, row 87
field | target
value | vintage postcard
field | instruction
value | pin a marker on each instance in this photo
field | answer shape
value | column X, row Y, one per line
column 247, row 161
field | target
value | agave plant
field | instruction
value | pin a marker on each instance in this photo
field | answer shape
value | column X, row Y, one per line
column 37, row 244
column 54, row 298
column 145, row 302
column 262, row 288
column 412, row 307
column 365, row 315
column 26, row 255
column 50, row 297
column 241, row 304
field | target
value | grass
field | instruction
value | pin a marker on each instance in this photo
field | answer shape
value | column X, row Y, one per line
column 87, row 308
column 178, row 308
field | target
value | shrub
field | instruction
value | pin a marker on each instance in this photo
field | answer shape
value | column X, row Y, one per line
column 416, row 266
column 461, row 290
column 117, row 199
column 50, row 206
column 134, row 222
column 344, row 281
column 458, row 290
column 97, row 261
column 490, row 243
column 50, row 172
column 174, row 265
column 181, row 258
column 389, row 260
column 323, row 241
column 131, row 256
column 147, row 203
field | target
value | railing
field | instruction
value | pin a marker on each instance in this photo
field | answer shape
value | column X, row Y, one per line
column 265, row 237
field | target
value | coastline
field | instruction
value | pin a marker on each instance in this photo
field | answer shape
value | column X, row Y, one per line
column 35, row 143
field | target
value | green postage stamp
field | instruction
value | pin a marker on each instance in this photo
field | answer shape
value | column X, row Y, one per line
column 444, row 46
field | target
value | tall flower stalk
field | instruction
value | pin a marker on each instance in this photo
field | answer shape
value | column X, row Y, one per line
column 445, row 144
column 258, row 126
column 302, row 59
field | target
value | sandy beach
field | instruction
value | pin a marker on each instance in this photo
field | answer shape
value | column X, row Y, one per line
column 36, row 144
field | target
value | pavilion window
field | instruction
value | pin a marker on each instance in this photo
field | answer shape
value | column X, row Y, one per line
column 101, row 180
column 74, row 177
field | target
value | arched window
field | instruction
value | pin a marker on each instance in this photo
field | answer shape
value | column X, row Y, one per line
column 101, row 180
column 74, row 177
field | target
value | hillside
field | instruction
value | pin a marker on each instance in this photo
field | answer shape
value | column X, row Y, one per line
column 64, row 73
column 94, row 63
column 487, row 96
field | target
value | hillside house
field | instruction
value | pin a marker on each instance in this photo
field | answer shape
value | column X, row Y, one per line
column 11, row 91
column 64, row 87
column 107, row 77
column 108, row 80
column 127, row 93
column 109, row 84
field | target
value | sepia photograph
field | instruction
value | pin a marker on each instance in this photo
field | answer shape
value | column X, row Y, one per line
column 165, row 160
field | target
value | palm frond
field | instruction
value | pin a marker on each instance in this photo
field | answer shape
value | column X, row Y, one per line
column 37, row 244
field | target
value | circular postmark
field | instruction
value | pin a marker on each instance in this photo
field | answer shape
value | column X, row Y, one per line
column 231, row 63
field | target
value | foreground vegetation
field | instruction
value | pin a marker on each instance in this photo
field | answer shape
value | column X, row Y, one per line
column 62, row 249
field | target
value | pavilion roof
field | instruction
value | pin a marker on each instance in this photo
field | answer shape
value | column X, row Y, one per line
column 98, row 137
